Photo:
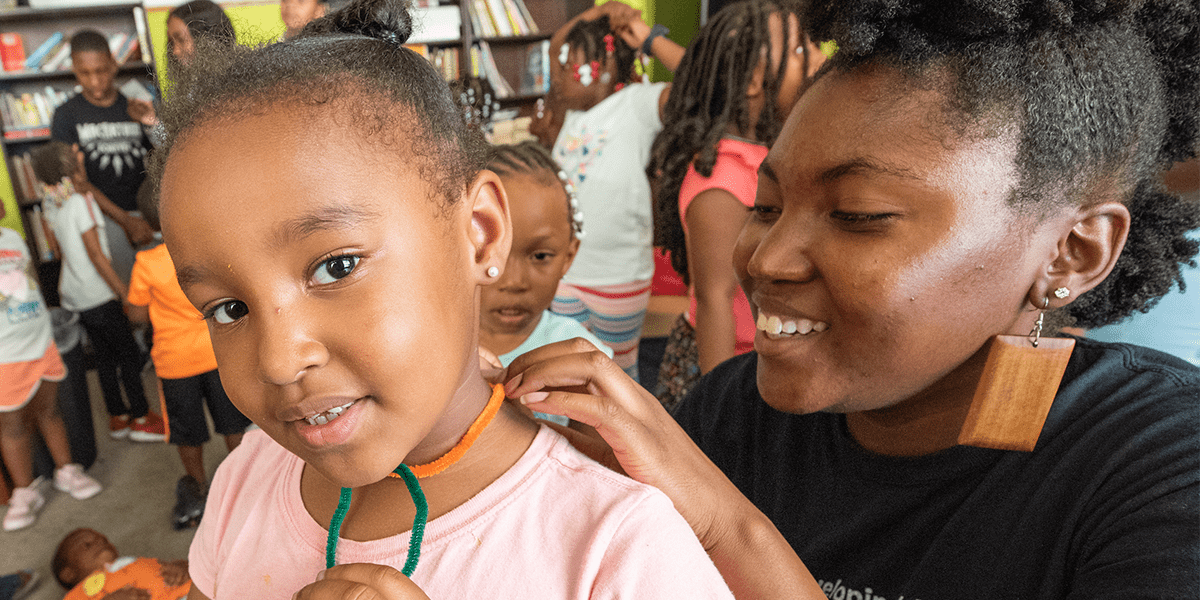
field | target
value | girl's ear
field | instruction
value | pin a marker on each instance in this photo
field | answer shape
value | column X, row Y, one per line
column 490, row 226
column 1086, row 253
column 572, row 250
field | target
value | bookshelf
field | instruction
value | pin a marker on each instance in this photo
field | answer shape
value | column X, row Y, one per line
column 30, row 91
column 502, row 52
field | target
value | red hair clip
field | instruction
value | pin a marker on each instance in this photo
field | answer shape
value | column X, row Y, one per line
column 617, row 88
column 610, row 45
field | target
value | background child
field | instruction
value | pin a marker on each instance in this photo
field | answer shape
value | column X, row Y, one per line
column 194, row 20
column 30, row 368
column 184, row 361
column 515, row 315
column 297, row 13
column 88, row 565
column 732, row 91
column 98, row 120
column 343, row 305
column 608, row 123
column 88, row 285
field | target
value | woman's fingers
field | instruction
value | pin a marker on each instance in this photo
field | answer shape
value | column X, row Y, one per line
column 646, row 441
column 361, row 581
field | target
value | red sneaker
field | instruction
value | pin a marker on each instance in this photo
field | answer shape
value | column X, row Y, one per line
column 147, row 428
column 118, row 427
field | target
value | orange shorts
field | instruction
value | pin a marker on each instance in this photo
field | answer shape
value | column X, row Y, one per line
column 20, row 381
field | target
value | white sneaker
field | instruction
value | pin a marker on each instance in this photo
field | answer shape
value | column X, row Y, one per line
column 23, row 508
column 72, row 480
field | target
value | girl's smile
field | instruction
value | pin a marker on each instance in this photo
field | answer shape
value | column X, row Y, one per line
column 334, row 285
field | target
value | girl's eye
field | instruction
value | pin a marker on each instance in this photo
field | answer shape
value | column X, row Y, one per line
column 334, row 269
column 227, row 312
column 542, row 256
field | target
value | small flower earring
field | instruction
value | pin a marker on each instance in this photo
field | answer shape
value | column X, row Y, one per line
column 493, row 272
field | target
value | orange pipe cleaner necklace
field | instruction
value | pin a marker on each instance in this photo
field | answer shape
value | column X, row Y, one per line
column 456, row 453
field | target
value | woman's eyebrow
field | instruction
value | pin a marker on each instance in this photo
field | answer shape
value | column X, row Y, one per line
column 864, row 166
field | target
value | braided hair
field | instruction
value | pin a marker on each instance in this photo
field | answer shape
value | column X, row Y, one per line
column 530, row 158
column 707, row 96
column 1104, row 94
column 588, row 36
column 351, row 64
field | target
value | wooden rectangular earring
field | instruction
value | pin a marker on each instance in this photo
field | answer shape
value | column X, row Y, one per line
column 1017, row 388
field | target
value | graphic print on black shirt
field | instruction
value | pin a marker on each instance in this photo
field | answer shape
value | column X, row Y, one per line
column 114, row 146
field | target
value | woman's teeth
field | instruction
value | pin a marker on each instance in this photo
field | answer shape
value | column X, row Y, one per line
column 776, row 328
column 329, row 415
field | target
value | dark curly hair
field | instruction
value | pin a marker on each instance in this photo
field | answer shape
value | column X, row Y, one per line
column 350, row 63
column 204, row 18
column 708, row 95
column 588, row 36
column 1105, row 93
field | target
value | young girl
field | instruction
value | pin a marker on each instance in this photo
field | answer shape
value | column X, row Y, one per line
column 547, row 228
column 91, row 287
column 734, row 88
column 339, row 264
column 30, row 368
column 608, row 123
column 194, row 20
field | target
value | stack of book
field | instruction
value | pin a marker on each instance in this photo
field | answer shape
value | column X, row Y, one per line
column 24, row 179
column 536, row 78
column 28, row 114
column 496, row 18
column 445, row 60
column 54, row 54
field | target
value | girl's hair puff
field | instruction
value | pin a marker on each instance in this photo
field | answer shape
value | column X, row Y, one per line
column 588, row 36
column 1103, row 95
column 530, row 158
column 707, row 96
column 350, row 64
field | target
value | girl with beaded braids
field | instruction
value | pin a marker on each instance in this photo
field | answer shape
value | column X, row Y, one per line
column 547, row 227
column 339, row 260
column 735, row 85
column 956, row 170
column 607, row 125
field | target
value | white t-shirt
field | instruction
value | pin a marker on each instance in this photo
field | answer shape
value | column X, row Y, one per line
column 80, row 287
column 25, row 329
column 604, row 151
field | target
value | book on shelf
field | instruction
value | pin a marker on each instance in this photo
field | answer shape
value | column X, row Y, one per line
column 28, row 114
column 39, row 234
column 536, row 77
column 483, row 65
column 48, row 48
column 12, row 51
column 59, row 60
column 500, row 18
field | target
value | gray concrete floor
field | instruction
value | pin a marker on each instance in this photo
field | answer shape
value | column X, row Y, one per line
column 133, row 511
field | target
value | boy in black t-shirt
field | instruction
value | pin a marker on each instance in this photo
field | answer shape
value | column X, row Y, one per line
column 114, row 145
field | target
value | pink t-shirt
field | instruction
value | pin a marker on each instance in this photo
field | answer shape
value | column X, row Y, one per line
column 556, row 525
column 736, row 171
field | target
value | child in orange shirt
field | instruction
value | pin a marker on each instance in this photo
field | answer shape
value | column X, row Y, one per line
column 185, row 364
column 87, row 565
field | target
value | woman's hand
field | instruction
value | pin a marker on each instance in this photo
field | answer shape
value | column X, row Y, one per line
column 572, row 378
column 361, row 581
column 575, row 379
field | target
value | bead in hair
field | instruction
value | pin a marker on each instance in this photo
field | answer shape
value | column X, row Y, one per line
column 573, row 203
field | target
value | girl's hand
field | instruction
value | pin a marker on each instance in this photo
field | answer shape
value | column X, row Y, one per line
column 575, row 379
column 175, row 572
column 361, row 581
column 619, row 14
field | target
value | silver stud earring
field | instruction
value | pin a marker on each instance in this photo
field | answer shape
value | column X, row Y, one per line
column 1061, row 293
column 493, row 272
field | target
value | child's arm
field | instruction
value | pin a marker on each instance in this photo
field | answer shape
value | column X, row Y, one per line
column 619, row 15
column 175, row 572
column 51, row 240
column 714, row 220
column 129, row 593
column 138, row 315
column 661, row 47
column 91, row 241
column 136, row 229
